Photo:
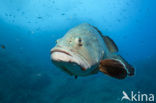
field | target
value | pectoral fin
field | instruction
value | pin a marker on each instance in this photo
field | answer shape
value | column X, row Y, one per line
column 130, row 69
column 113, row 68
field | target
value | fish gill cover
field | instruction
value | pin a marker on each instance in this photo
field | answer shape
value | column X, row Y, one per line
column 29, row 28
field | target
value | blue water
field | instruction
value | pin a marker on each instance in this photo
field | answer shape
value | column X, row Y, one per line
column 29, row 28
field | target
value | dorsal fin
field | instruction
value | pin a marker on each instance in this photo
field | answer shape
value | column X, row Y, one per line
column 109, row 42
column 97, row 30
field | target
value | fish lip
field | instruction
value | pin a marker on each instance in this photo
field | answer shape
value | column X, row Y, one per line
column 65, row 52
column 69, row 54
column 60, row 50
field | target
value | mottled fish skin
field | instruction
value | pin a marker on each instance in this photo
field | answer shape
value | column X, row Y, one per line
column 86, row 47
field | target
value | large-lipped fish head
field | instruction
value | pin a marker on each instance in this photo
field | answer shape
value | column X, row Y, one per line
column 73, row 52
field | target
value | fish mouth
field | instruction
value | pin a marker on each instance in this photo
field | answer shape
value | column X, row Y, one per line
column 61, row 51
column 60, row 55
column 66, row 60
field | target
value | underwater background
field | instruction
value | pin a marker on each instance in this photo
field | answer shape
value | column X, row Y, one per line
column 29, row 29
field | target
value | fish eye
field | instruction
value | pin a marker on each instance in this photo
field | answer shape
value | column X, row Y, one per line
column 70, row 41
column 79, row 41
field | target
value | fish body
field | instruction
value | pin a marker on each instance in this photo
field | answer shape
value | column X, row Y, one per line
column 84, row 51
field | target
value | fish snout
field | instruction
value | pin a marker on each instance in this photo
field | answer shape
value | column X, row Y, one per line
column 52, row 50
column 60, row 51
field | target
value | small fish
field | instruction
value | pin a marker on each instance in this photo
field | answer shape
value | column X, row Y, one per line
column 3, row 46
column 84, row 51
